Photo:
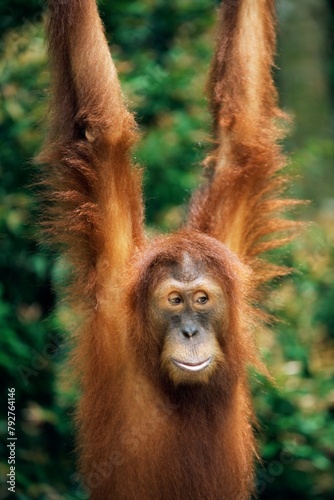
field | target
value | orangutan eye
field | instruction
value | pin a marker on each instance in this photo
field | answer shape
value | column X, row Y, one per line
column 201, row 297
column 174, row 299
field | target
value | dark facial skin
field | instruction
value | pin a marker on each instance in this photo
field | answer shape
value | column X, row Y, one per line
column 189, row 311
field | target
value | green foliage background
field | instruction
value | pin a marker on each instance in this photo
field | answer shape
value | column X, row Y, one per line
column 162, row 50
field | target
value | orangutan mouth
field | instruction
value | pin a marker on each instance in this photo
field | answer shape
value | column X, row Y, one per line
column 193, row 367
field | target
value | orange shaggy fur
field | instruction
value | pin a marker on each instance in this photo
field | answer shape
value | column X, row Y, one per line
column 139, row 437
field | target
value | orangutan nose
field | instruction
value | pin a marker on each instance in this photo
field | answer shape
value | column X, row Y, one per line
column 189, row 330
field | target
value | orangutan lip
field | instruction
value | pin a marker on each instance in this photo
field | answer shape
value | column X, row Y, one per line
column 192, row 367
